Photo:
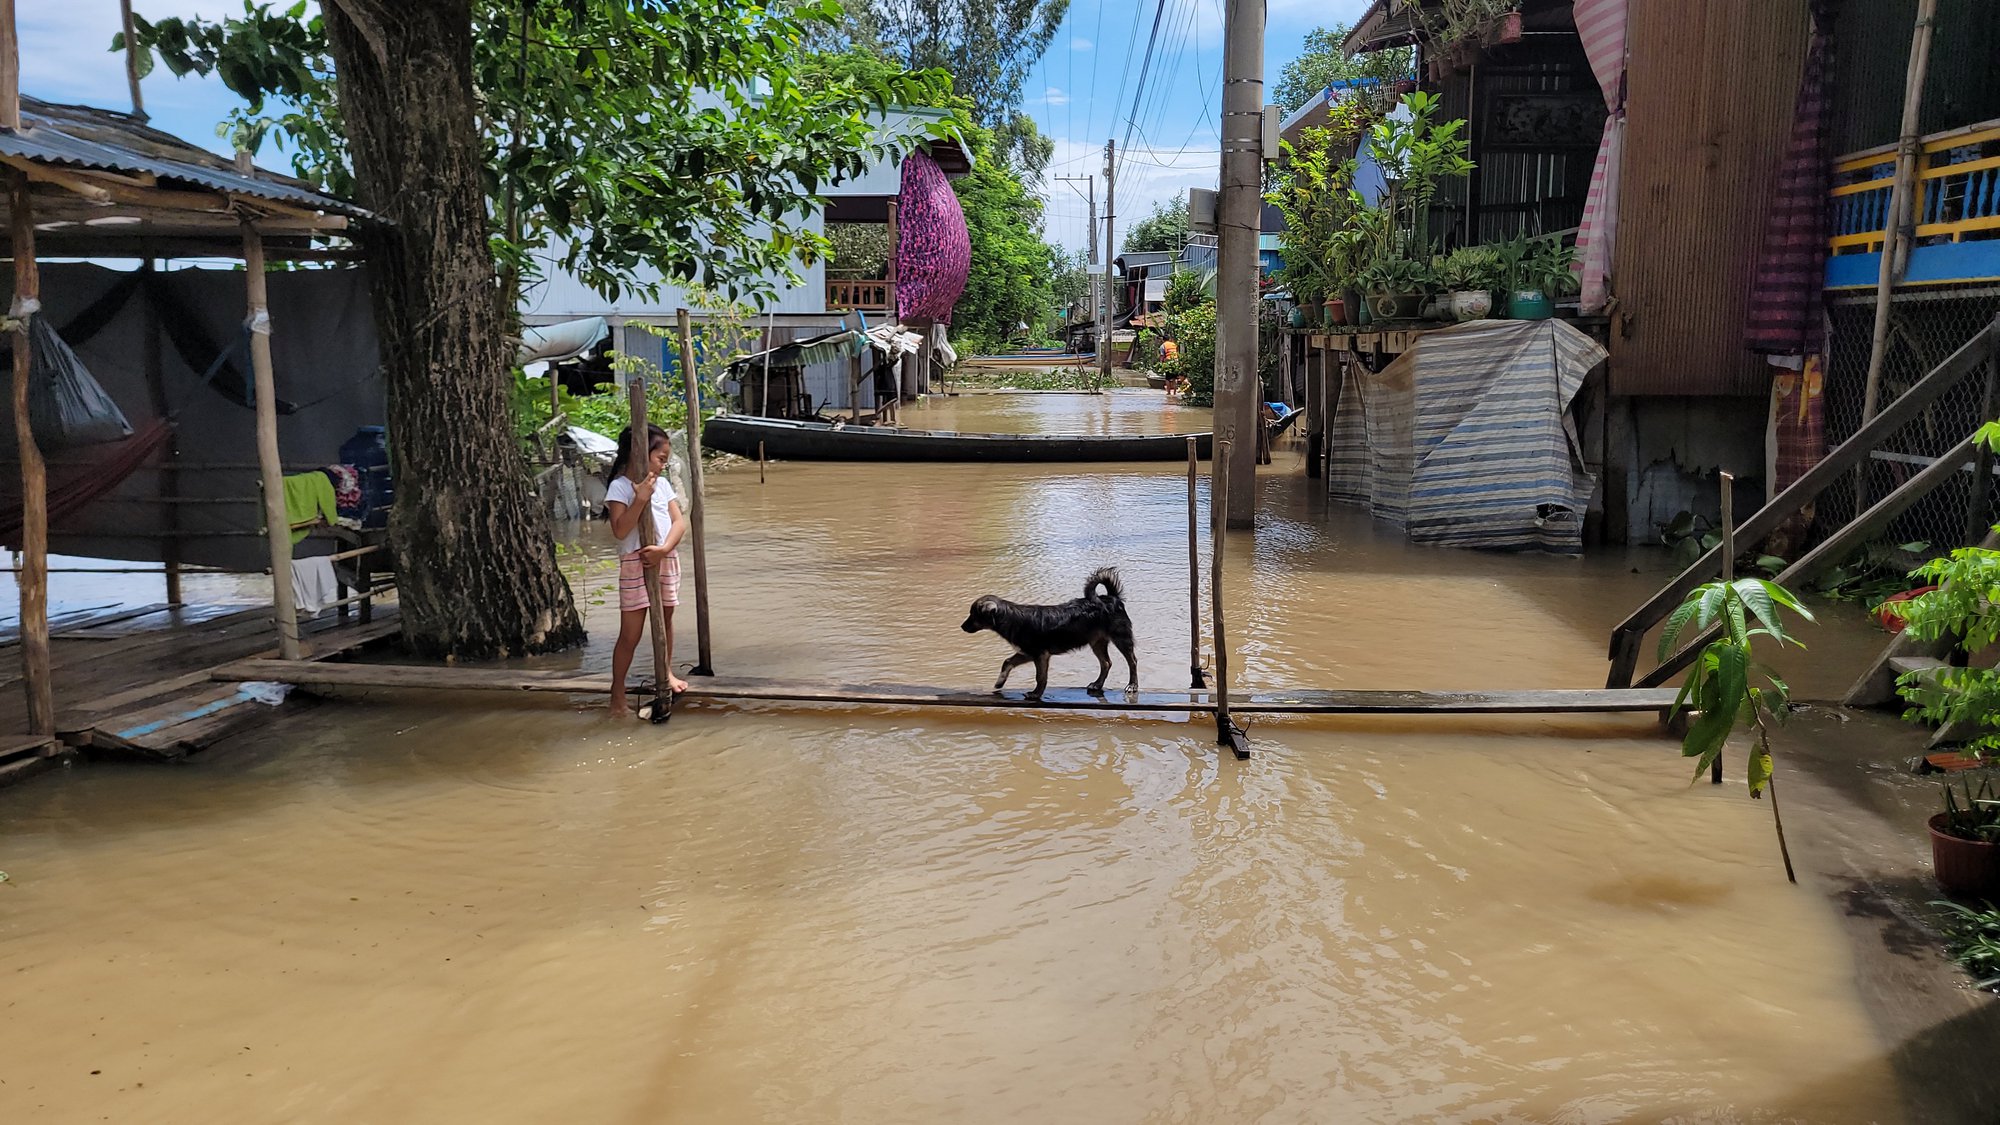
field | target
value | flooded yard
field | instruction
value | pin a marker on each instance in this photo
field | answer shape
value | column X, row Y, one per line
column 415, row 909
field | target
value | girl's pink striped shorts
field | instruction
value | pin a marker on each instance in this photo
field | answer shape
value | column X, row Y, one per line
column 632, row 583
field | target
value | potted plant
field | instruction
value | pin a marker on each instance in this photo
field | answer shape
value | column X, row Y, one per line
column 1727, row 687
column 1965, row 842
column 1394, row 288
column 1537, row 273
column 1469, row 275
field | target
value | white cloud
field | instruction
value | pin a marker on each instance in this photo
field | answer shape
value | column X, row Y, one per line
column 1081, row 45
column 1056, row 96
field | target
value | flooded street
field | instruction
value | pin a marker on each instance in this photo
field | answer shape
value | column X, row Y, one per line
column 479, row 909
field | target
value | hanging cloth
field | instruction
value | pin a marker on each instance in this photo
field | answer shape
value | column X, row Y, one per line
column 1601, row 26
column 1786, row 316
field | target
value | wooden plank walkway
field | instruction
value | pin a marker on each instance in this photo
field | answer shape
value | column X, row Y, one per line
column 139, row 678
column 423, row 678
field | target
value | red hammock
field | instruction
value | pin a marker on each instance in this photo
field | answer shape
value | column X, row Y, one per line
column 73, row 486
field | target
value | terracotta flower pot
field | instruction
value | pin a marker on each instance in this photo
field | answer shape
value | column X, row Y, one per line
column 1507, row 30
column 1968, row 869
column 1335, row 313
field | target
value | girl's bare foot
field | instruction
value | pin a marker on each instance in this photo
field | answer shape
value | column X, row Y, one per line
column 620, row 708
column 676, row 684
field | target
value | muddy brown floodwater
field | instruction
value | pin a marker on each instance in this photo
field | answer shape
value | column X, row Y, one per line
column 443, row 910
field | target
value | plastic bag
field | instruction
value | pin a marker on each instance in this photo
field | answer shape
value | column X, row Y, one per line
column 66, row 407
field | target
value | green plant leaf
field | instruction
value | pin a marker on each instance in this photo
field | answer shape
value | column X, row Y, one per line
column 1759, row 769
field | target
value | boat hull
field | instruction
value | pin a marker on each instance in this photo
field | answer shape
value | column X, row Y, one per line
column 818, row 441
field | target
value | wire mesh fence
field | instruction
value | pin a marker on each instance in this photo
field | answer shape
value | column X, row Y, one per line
column 1925, row 328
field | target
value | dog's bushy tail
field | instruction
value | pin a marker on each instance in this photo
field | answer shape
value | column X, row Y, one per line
column 1106, row 577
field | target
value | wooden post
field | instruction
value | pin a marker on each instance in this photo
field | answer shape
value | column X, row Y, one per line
column 1195, row 678
column 170, row 548
column 271, row 473
column 1227, row 733
column 10, row 75
column 34, row 556
column 1728, row 572
column 636, row 468
column 132, row 60
column 1898, row 217
column 696, row 500
column 760, row 462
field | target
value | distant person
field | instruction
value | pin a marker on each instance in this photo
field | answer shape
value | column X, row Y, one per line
column 624, row 501
column 1169, row 350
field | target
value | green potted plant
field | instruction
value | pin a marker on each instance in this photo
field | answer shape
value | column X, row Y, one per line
column 1544, row 270
column 1394, row 288
column 1727, row 687
column 1469, row 274
column 1965, row 841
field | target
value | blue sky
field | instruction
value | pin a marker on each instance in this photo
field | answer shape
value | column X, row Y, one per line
column 1086, row 87
column 1080, row 94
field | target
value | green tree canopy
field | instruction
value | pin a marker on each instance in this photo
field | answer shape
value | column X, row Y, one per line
column 1165, row 229
column 1321, row 63
column 690, row 137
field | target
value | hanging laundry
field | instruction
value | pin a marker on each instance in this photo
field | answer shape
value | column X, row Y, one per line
column 309, row 499
column 314, row 586
column 346, row 489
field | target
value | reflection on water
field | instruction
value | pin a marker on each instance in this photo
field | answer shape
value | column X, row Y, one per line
column 462, row 910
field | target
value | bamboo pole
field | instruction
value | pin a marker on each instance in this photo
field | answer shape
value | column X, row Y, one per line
column 132, row 59
column 637, row 466
column 34, row 556
column 696, row 496
column 271, row 472
column 1227, row 733
column 1896, row 224
column 10, row 70
column 1195, row 677
column 1728, row 572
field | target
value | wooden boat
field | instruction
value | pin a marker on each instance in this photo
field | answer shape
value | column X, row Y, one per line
column 785, row 439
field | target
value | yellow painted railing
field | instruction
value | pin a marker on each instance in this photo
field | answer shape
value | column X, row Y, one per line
column 1957, row 191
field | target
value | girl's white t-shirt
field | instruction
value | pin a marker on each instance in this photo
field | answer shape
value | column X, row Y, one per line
column 621, row 491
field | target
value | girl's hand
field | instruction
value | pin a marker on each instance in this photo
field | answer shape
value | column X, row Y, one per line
column 655, row 556
column 642, row 490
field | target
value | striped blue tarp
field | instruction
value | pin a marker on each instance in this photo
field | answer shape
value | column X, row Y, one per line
column 1463, row 441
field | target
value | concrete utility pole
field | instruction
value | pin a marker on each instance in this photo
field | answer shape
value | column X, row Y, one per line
column 1091, row 183
column 1110, row 194
column 1238, row 210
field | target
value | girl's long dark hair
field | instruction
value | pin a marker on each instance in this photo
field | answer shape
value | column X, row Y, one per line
column 624, row 459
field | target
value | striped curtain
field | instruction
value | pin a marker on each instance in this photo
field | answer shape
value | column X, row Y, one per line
column 1601, row 26
column 933, row 250
column 1785, row 315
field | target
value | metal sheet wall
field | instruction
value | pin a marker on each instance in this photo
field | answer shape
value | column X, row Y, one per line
column 1709, row 92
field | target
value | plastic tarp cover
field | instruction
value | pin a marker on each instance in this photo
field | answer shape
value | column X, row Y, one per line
column 1465, row 440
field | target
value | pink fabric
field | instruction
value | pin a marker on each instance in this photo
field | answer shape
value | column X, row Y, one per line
column 1601, row 26
column 933, row 250
column 632, row 592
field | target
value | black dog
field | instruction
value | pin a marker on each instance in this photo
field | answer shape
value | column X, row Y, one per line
column 1039, row 632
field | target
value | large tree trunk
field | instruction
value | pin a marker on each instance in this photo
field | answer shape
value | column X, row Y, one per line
column 475, row 559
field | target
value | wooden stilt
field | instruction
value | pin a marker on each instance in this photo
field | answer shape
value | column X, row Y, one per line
column 1227, row 733
column 1728, row 572
column 34, row 556
column 697, row 499
column 271, row 472
column 1195, row 677
column 170, row 549
column 760, row 462
column 637, row 467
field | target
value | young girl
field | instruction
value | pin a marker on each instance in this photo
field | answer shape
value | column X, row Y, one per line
column 625, row 500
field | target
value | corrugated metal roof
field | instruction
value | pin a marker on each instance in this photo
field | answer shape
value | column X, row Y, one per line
column 102, row 140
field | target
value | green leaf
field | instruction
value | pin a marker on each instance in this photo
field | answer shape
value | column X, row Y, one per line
column 1759, row 769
